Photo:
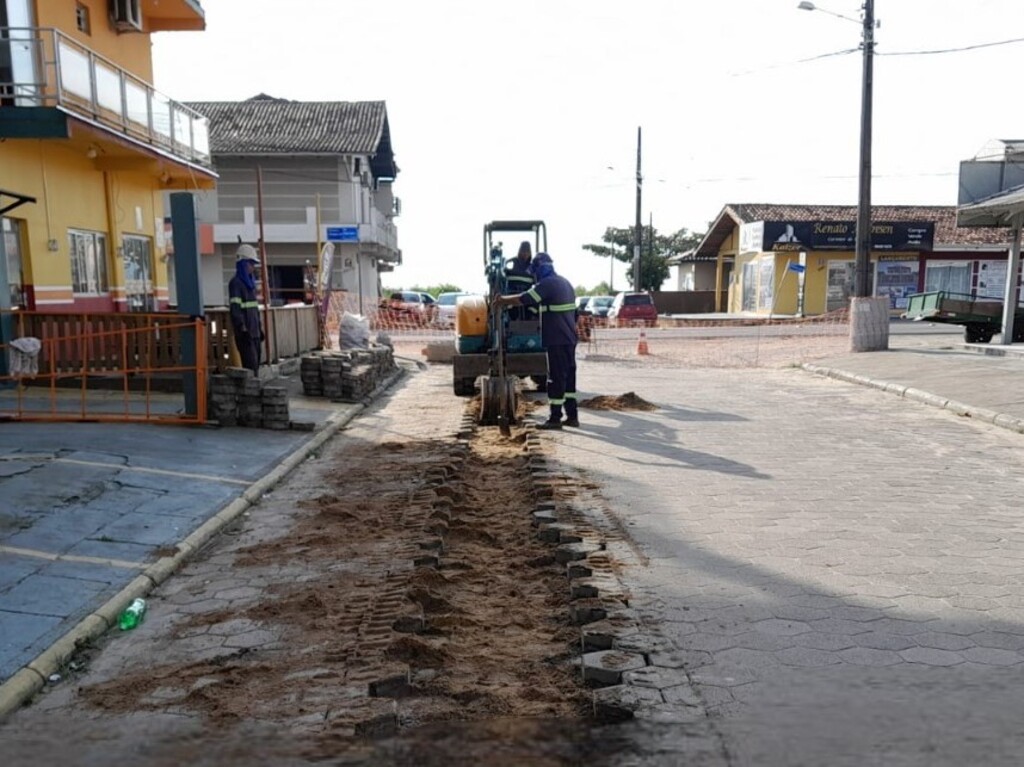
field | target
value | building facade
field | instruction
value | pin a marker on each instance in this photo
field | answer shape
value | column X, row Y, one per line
column 88, row 148
column 300, row 175
column 798, row 259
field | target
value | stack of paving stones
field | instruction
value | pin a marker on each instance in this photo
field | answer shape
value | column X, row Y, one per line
column 275, row 407
column 239, row 398
column 347, row 376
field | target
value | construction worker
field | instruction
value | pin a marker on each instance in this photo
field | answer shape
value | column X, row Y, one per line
column 519, row 279
column 245, row 309
column 557, row 299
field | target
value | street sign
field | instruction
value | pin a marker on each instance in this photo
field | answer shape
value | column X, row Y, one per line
column 795, row 267
column 343, row 234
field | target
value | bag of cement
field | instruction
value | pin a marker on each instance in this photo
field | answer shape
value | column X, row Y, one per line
column 354, row 332
column 25, row 357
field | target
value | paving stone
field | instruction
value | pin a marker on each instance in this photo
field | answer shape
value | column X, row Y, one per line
column 622, row 702
column 680, row 659
column 931, row 656
column 643, row 644
column 606, row 667
column 805, row 656
column 257, row 638
column 864, row 656
column 572, row 552
column 657, row 677
column 992, row 657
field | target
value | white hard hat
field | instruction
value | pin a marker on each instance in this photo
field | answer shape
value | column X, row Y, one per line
column 247, row 253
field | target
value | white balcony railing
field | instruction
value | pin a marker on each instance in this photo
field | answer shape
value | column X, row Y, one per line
column 44, row 67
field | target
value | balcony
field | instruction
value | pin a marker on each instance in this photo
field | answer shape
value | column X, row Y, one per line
column 48, row 76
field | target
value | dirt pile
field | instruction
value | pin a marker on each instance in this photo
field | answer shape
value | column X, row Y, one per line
column 627, row 401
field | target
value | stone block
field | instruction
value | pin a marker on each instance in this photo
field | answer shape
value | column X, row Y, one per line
column 606, row 667
column 622, row 702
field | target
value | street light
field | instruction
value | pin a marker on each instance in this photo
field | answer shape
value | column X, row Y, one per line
column 862, row 256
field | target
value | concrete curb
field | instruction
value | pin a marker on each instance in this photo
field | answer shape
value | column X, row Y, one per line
column 1002, row 420
column 27, row 682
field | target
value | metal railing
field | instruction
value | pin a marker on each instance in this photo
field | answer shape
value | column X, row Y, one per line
column 41, row 66
column 104, row 367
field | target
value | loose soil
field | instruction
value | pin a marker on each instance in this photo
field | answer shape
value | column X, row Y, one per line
column 482, row 635
column 627, row 401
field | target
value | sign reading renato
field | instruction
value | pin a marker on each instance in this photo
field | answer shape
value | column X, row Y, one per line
column 842, row 235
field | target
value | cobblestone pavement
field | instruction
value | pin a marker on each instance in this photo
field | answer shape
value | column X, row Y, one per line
column 839, row 570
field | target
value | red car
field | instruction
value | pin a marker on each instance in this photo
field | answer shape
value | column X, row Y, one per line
column 630, row 309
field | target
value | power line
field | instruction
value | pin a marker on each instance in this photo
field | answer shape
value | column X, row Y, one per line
column 952, row 50
column 794, row 63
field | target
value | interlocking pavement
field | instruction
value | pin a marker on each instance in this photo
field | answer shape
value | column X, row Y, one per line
column 839, row 569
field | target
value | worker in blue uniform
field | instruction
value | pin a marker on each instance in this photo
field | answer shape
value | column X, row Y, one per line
column 245, row 309
column 557, row 299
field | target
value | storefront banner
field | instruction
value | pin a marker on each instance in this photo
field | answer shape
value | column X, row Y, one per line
column 842, row 235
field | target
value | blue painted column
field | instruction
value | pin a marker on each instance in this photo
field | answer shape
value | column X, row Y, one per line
column 6, row 319
column 188, row 283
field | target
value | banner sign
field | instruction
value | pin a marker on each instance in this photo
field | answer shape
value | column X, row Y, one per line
column 842, row 235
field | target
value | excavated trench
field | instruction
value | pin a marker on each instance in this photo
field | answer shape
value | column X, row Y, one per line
column 409, row 599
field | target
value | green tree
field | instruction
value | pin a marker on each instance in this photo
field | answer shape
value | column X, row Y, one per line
column 654, row 253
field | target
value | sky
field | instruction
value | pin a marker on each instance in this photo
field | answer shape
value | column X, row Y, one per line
column 530, row 109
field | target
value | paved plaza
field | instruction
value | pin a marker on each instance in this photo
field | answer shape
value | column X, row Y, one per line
column 837, row 568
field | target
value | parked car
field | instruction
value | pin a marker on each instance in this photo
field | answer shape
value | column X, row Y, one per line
column 598, row 306
column 412, row 306
column 446, row 308
column 581, row 304
column 629, row 309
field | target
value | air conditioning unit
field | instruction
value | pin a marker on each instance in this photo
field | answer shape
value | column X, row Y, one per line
column 126, row 15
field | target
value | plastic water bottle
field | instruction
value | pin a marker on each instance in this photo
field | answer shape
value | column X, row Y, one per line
column 132, row 615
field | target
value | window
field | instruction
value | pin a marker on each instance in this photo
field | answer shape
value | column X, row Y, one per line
column 82, row 18
column 12, row 246
column 951, row 276
column 88, row 261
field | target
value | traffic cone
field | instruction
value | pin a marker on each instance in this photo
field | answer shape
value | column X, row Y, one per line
column 641, row 345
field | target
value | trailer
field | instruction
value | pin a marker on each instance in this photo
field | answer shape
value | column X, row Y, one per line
column 981, row 316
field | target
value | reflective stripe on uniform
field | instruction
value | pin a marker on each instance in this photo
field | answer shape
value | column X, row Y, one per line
column 533, row 294
column 236, row 301
column 516, row 278
column 562, row 307
column 556, row 401
column 570, row 395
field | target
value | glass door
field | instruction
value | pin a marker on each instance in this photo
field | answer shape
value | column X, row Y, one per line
column 137, row 254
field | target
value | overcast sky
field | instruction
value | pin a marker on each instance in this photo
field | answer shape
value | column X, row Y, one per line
column 529, row 109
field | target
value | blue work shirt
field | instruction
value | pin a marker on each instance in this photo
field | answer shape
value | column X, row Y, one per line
column 558, row 316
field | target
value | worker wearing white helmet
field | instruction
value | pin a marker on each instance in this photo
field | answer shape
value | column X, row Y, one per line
column 245, row 309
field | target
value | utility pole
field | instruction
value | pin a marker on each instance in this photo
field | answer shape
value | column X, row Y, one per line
column 638, row 235
column 862, row 256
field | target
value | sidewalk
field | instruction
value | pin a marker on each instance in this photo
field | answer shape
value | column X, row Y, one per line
column 981, row 381
column 93, row 515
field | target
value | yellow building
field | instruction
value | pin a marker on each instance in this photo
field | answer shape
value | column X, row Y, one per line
column 799, row 259
column 87, row 146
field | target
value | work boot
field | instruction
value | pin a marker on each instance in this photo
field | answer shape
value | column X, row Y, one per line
column 550, row 426
column 573, row 422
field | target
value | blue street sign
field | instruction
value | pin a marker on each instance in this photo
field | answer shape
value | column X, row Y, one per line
column 343, row 234
column 795, row 267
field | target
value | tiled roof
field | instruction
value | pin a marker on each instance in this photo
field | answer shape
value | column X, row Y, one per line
column 266, row 125
column 948, row 236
